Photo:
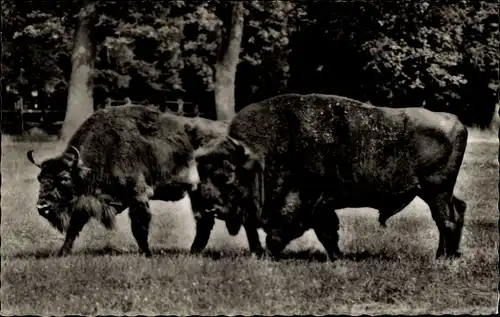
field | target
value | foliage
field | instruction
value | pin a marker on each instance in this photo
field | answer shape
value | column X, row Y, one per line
column 442, row 55
column 264, row 69
column 138, row 54
column 169, row 49
column 36, row 48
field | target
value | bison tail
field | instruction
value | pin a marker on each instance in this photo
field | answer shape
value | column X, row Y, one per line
column 108, row 217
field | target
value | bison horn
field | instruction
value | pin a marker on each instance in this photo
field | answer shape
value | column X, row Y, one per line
column 234, row 141
column 201, row 151
column 75, row 152
column 31, row 159
column 214, row 211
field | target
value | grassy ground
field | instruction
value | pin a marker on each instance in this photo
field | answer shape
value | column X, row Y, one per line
column 385, row 271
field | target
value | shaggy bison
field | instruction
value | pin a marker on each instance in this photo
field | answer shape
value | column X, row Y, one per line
column 290, row 161
column 122, row 157
column 204, row 132
column 119, row 157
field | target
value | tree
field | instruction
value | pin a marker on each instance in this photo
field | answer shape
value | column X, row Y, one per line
column 264, row 68
column 225, row 68
column 36, row 42
column 80, row 90
column 442, row 55
column 171, row 49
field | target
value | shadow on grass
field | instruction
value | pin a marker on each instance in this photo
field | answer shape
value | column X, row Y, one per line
column 308, row 255
column 318, row 256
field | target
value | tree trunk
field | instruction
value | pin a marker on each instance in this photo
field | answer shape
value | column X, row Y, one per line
column 225, row 69
column 495, row 121
column 80, row 100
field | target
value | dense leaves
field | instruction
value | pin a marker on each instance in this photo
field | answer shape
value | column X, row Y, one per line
column 442, row 55
column 36, row 49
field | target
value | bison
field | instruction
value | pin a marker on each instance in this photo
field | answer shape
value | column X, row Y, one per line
column 290, row 161
column 122, row 157
column 204, row 133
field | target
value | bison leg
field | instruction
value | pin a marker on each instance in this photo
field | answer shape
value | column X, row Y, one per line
column 326, row 226
column 253, row 240
column 140, row 217
column 457, row 208
column 448, row 214
column 76, row 224
column 204, row 225
column 291, row 221
column 233, row 226
column 276, row 243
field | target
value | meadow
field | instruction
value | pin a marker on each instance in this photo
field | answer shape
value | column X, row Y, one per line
column 385, row 271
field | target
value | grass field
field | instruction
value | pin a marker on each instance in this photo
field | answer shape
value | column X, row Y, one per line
column 389, row 271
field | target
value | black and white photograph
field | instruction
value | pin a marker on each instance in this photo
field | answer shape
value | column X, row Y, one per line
column 253, row 157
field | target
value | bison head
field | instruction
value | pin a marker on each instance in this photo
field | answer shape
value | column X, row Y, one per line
column 231, row 181
column 59, row 178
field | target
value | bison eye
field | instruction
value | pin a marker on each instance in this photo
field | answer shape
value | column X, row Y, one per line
column 224, row 178
column 181, row 159
column 65, row 179
column 220, row 178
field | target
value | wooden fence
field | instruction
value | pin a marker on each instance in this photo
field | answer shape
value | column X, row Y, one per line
column 22, row 118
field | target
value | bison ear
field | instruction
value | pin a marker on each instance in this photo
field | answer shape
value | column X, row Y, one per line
column 189, row 128
column 73, row 160
column 83, row 171
column 71, row 157
column 242, row 154
column 191, row 131
column 232, row 175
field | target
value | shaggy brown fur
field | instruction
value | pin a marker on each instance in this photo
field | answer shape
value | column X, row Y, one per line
column 125, row 151
column 120, row 157
column 293, row 159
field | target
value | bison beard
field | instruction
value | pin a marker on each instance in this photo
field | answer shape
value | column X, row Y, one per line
column 320, row 153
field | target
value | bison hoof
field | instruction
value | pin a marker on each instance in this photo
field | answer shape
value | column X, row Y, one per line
column 454, row 255
column 334, row 257
column 196, row 250
column 63, row 252
column 259, row 253
column 275, row 256
column 450, row 255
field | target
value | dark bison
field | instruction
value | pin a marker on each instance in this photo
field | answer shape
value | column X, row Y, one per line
column 122, row 157
column 290, row 161
column 203, row 133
